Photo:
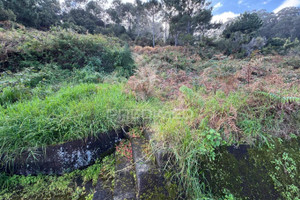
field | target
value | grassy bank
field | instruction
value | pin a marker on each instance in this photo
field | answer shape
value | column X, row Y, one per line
column 74, row 112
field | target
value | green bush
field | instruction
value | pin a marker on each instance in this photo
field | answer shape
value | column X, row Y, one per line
column 7, row 15
column 281, row 46
column 67, row 49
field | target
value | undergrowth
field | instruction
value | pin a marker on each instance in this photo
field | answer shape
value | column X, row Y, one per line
column 224, row 102
column 79, row 184
column 202, row 121
column 31, row 48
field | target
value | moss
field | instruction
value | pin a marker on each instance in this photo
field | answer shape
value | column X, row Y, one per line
column 155, row 193
column 76, row 185
column 267, row 172
column 282, row 163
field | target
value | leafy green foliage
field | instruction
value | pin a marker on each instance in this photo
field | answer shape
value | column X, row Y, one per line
column 239, row 35
column 186, row 17
column 7, row 15
column 246, row 24
column 280, row 46
column 278, row 98
column 68, row 50
column 39, row 14
column 83, row 18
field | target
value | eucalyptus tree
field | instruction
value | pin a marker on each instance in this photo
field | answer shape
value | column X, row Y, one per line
column 122, row 14
column 153, row 9
column 140, row 20
column 40, row 14
column 248, row 23
column 187, row 16
column 287, row 23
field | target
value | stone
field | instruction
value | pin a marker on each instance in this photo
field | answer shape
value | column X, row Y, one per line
column 63, row 158
column 124, row 180
column 150, row 182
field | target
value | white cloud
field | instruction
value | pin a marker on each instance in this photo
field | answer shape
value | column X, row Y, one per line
column 266, row 2
column 224, row 17
column 218, row 5
column 287, row 3
column 240, row 1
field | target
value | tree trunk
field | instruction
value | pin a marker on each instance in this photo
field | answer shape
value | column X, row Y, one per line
column 176, row 39
column 165, row 33
column 153, row 31
column 188, row 27
column 138, row 29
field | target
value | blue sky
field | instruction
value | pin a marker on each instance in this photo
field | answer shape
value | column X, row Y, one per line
column 226, row 9
column 240, row 6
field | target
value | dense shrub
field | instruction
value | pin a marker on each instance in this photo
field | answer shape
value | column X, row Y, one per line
column 280, row 46
column 69, row 50
column 12, row 94
column 7, row 15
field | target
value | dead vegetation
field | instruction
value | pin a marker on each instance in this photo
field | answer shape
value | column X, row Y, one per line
column 235, row 92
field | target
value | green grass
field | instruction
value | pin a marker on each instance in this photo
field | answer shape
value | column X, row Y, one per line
column 202, row 121
column 74, row 112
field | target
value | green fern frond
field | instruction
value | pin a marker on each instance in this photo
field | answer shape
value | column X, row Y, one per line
column 279, row 98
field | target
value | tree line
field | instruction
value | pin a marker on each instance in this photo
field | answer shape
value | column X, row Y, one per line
column 159, row 22
column 146, row 23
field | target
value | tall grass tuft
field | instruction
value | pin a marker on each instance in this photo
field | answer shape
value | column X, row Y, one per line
column 74, row 112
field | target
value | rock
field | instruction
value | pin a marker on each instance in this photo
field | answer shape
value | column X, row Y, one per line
column 102, row 193
column 124, row 180
column 150, row 182
column 62, row 158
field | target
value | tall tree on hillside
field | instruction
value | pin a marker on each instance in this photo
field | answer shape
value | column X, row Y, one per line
column 286, row 20
column 82, row 18
column 122, row 14
column 247, row 23
column 269, row 21
column 240, row 35
column 40, row 14
column 84, row 15
column 140, row 20
column 6, row 14
column 153, row 9
column 187, row 16
column 284, row 24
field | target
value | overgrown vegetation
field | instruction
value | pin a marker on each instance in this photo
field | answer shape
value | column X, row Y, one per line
column 204, row 97
column 79, row 184
column 220, row 102
column 22, row 49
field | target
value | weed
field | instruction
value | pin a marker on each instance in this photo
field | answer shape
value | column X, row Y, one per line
column 68, row 186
